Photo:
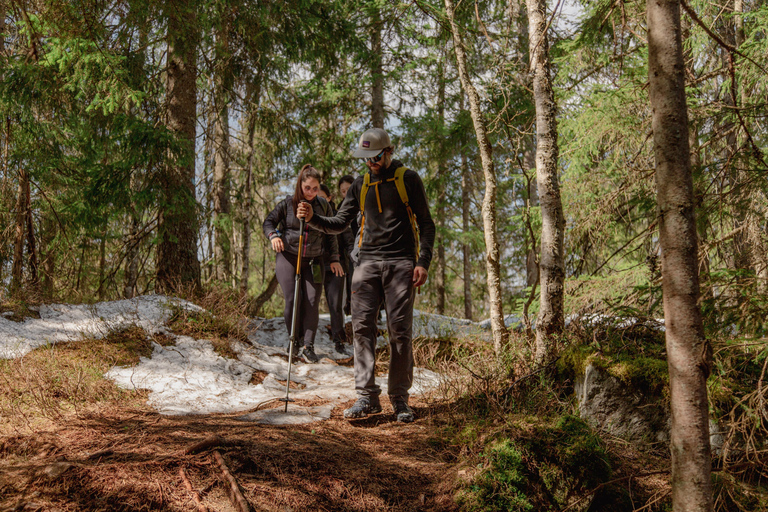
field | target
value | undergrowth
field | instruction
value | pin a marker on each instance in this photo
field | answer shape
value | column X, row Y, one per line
column 223, row 318
column 54, row 380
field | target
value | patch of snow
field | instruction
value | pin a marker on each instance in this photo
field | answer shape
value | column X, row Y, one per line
column 509, row 321
column 63, row 322
column 189, row 377
column 619, row 322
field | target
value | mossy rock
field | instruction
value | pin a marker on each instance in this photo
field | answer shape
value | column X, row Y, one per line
column 547, row 467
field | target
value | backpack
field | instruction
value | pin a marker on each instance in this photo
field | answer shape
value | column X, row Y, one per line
column 400, row 184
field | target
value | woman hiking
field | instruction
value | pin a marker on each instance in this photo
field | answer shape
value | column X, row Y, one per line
column 282, row 228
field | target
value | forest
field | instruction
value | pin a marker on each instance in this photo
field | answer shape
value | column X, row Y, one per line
column 583, row 159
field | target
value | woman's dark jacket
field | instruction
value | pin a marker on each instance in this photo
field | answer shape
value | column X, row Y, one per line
column 283, row 223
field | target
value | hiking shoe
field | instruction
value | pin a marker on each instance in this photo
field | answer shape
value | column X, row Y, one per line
column 403, row 412
column 296, row 348
column 364, row 406
column 309, row 355
column 342, row 349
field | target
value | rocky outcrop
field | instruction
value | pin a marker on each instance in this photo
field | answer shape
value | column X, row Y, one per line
column 607, row 403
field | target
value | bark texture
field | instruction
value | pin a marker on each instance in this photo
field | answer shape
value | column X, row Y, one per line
column 177, row 263
column 442, row 171
column 22, row 207
column 221, row 175
column 489, row 200
column 377, row 72
column 688, row 351
column 551, row 319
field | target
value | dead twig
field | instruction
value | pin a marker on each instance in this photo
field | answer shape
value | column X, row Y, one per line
column 235, row 496
column 195, row 495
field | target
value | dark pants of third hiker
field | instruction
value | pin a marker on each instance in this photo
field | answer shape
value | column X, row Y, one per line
column 285, row 269
column 392, row 281
column 334, row 294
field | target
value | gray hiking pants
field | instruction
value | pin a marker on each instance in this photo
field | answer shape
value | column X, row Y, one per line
column 372, row 282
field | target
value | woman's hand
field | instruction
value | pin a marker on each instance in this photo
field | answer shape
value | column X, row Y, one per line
column 277, row 244
column 337, row 269
column 305, row 211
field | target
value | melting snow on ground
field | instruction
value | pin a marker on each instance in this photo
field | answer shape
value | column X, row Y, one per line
column 189, row 377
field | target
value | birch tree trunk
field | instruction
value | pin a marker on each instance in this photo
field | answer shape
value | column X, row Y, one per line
column 177, row 263
column 551, row 319
column 489, row 200
column 688, row 351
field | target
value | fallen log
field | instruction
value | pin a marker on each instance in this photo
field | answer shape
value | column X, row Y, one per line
column 235, row 496
column 195, row 495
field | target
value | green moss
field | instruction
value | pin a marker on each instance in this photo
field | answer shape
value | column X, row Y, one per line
column 501, row 484
column 646, row 374
column 538, row 468
column 574, row 360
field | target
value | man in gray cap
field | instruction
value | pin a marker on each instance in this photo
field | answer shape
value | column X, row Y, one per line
column 396, row 238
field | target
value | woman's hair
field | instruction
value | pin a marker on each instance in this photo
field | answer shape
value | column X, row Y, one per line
column 346, row 179
column 306, row 172
column 325, row 189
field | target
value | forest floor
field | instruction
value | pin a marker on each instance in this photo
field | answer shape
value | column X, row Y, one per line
column 129, row 458
column 71, row 439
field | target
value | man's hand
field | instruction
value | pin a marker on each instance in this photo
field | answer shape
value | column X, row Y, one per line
column 304, row 211
column 419, row 276
column 277, row 244
column 337, row 269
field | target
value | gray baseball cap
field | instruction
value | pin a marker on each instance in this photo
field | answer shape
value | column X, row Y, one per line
column 372, row 141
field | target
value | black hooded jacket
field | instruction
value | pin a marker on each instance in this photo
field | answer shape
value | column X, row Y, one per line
column 386, row 235
column 283, row 223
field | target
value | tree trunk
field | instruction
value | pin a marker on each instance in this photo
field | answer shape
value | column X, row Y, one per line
column 377, row 71
column 102, row 264
column 254, row 97
column 498, row 329
column 22, row 207
column 531, row 260
column 688, row 351
column 177, row 263
column 221, row 178
column 131, row 258
column 442, row 175
column 466, row 248
column 48, row 255
column 258, row 302
column 551, row 319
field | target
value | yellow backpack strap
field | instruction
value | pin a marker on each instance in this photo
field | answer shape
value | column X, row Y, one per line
column 400, row 184
column 363, row 192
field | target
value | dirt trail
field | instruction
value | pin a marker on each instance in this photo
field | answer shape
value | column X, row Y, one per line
column 129, row 460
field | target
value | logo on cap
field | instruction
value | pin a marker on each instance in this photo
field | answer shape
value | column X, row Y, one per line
column 366, row 143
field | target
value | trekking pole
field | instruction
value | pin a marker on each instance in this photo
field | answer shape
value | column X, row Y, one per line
column 295, row 318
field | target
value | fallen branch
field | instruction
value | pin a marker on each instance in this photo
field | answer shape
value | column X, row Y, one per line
column 235, row 496
column 195, row 495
